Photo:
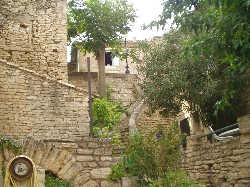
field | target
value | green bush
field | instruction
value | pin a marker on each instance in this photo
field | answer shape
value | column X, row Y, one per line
column 52, row 181
column 149, row 157
column 105, row 116
column 176, row 178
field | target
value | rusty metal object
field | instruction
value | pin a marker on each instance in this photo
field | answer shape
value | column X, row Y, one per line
column 21, row 168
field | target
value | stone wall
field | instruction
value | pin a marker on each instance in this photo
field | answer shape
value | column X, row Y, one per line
column 79, row 64
column 122, row 87
column 33, row 34
column 34, row 105
column 224, row 163
column 149, row 122
column 87, row 163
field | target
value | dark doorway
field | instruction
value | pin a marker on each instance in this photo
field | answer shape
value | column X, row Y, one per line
column 108, row 59
column 184, row 126
column 185, row 129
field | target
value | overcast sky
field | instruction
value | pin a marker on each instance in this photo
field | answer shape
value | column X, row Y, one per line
column 147, row 11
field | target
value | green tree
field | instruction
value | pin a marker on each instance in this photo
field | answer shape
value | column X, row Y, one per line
column 98, row 24
column 209, row 62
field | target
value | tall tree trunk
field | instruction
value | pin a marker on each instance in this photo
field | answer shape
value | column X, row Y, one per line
column 101, row 73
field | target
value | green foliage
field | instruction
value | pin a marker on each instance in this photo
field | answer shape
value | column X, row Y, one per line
column 3, row 171
column 9, row 144
column 176, row 178
column 203, row 64
column 149, row 158
column 53, row 181
column 118, row 171
column 106, row 116
column 105, row 113
column 98, row 23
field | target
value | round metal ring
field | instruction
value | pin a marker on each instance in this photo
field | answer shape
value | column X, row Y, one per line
column 21, row 168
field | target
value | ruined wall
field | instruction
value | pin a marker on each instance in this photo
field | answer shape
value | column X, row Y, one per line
column 121, row 86
column 44, row 108
column 33, row 34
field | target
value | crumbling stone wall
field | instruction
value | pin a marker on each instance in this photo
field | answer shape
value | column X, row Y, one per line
column 35, row 105
column 33, row 34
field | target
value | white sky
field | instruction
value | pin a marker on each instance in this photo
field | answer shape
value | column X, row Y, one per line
column 147, row 11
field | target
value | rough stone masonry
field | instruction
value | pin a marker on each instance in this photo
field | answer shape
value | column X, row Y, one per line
column 33, row 34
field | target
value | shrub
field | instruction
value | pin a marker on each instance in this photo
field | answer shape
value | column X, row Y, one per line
column 149, row 157
column 105, row 116
column 52, row 181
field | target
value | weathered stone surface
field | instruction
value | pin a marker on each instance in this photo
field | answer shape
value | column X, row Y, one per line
column 83, row 158
column 85, row 151
column 100, row 173
column 106, row 158
column 110, row 184
column 45, row 115
column 128, row 182
column 91, row 183
column 81, row 179
column 33, row 35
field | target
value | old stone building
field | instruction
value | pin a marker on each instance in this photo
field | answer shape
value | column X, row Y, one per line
column 38, row 105
column 50, row 116
column 113, row 64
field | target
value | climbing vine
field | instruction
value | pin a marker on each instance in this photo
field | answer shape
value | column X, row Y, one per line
column 9, row 144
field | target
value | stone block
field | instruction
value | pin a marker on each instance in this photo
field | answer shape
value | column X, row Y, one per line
column 85, row 151
column 93, row 145
column 110, row 184
column 128, row 181
column 83, row 158
column 100, row 173
column 90, row 183
column 106, row 158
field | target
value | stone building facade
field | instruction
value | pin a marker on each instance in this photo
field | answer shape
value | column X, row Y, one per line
column 114, row 64
column 121, row 87
column 33, row 35
column 37, row 101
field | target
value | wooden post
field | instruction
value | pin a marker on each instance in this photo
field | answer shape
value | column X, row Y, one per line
column 90, row 99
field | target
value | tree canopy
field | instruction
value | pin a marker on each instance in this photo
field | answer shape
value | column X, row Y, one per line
column 98, row 23
column 202, row 63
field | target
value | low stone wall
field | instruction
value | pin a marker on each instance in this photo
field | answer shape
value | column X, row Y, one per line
column 34, row 105
column 223, row 163
column 122, row 86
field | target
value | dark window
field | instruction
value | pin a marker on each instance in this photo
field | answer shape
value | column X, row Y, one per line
column 184, row 126
column 108, row 59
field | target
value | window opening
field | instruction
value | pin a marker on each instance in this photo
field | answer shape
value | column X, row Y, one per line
column 108, row 59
